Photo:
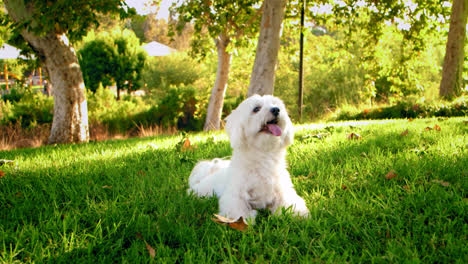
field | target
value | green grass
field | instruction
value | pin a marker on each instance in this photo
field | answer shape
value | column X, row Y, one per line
column 100, row 202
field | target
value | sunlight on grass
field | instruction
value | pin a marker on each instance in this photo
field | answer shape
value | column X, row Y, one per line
column 108, row 201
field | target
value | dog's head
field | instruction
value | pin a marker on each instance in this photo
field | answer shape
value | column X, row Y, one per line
column 260, row 122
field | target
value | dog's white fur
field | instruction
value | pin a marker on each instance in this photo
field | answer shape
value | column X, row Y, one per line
column 256, row 176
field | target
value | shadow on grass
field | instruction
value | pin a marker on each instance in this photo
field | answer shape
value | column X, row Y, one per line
column 102, row 210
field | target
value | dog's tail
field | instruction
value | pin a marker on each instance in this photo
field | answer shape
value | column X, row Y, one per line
column 205, row 177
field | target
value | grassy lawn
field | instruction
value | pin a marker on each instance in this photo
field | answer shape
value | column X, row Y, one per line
column 116, row 201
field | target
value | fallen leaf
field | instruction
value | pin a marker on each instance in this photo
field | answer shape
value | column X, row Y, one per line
column 187, row 144
column 404, row 133
column 428, row 128
column 443, row 183
column 410, row 119
column 437, row 127
column 142, row 173
column 406, row 187
column 18, row 194
column 2, row 173
column 107, row 187
column 390, row 175
column 354, row 136
column 344, row 187
column 465, row 122
column 238, row 224
column 151, row 250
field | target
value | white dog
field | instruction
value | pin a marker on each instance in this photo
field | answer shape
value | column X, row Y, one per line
column 256, row 176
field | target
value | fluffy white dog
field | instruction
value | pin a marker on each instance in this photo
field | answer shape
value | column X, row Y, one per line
column 256, row 176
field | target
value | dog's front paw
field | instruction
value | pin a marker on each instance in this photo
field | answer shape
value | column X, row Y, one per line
column 301, row 210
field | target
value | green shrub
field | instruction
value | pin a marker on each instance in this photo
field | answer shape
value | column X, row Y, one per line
column 181, row 107
column 173, row 70
column 407, row 108
column 32, row 108
column 14, row 95
column 118, row 115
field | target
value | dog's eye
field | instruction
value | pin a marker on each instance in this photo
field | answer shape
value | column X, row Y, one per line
column 256, row 109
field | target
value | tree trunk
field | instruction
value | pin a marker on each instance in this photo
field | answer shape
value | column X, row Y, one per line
column 263, row 73
column 215, row 106
column 70, row 122
column 452, row 71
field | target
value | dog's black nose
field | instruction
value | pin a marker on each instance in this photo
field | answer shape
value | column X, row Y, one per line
column 275, row 111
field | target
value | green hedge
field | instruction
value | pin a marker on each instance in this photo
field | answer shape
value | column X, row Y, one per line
column 409, row 108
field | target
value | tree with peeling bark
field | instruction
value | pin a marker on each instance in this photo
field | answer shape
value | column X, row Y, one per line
column 452, row 71
column 263, row 73
column 47, row 28
column 230, row 24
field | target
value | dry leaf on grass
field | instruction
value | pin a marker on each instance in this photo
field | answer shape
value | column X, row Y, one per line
column 151, row 250
column 390, row 175
column 187, row 144
column 354, row 136
column 238, row 224
column 404, row 133
column 2, row 173
column 107, row 187
column 436, row 128
column 410, row 119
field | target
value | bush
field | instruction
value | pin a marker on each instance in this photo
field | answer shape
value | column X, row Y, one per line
column 31, row 109
column 407, row 108
column 117, row 115
column 14, row 95
column 180, row 108
column 174, row 70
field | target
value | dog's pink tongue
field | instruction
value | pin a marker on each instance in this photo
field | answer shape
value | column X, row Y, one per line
column 274, row 129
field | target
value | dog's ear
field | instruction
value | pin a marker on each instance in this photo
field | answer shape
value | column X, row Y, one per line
column 234, row 129
column 287, row 137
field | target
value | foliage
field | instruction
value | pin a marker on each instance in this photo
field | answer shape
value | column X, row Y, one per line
column 237, row 21
column 96, row 61
column 106, row 202
column 407, row 108
column 181, row 107
column 15, row 94
column 112, row 57
column 117, row 115
column 32, row 108
column 338, row 73
column 173, row 70
column 74, row 19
